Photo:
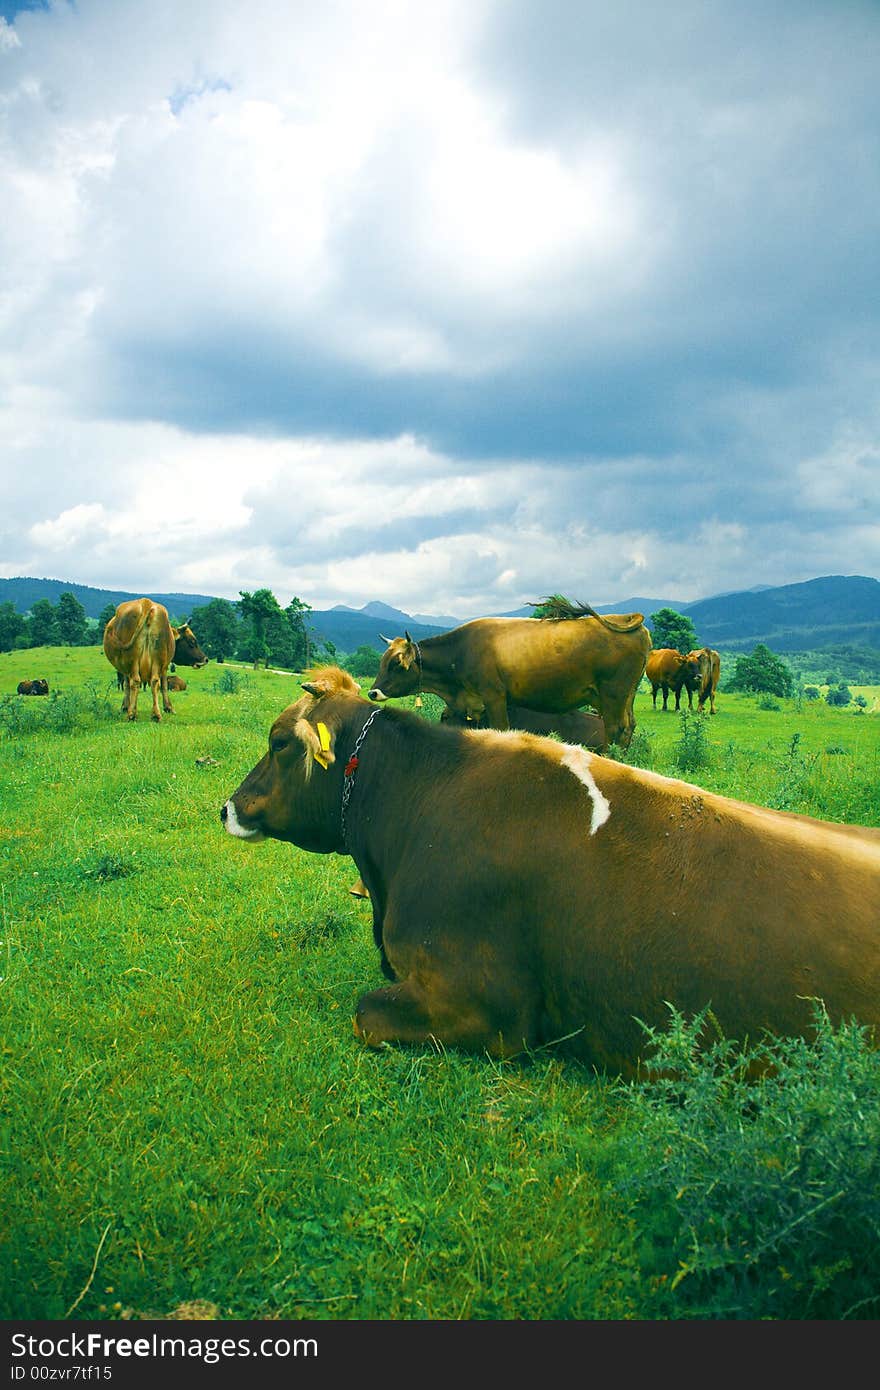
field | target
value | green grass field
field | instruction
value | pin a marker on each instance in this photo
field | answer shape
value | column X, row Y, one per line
column 186, row 1115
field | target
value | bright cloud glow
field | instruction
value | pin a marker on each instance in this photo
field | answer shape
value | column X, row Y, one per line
column 451, row 306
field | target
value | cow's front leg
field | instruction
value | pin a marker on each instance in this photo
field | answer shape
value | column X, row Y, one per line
column 414, row 1013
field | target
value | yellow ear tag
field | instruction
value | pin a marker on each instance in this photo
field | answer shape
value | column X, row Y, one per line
column 418, row 702
column 324, row 740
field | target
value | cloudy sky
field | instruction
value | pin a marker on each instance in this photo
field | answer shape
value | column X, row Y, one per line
column 450, row 304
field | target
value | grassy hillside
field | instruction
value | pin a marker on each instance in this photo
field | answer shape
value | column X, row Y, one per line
column 184, row 1113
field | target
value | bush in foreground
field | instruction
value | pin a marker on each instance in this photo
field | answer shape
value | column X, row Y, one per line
column 759, row 1198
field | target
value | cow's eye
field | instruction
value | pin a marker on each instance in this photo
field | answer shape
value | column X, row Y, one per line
column 278, row 742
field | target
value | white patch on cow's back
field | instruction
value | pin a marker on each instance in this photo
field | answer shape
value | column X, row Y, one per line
column 235, row 827
column 578, row 761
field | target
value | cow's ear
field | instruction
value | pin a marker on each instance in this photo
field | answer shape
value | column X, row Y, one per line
column 318, row 741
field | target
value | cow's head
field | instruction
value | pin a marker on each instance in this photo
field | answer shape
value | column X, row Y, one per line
column 187, row 651
column 288, row 795
column 690, row 672
column 703, row 662
column 399, row 672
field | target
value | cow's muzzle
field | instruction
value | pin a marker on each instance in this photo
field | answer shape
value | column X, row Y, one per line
column 234, row 825
column 377, row 694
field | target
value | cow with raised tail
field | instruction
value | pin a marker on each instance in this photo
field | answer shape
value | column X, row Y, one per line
column 140, row 643
column 527, row 892
column 570, row 657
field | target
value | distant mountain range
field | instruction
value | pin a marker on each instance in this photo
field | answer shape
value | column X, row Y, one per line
column 834, row 610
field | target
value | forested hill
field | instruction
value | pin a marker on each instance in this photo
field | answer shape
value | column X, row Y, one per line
column 24, row 593
column 832, row 611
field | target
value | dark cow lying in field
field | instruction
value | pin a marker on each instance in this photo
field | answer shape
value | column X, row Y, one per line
column 552, row 665
column 526, row 892
column 140, row 643
column 38, row 687
column 666, row 670
column 577, row 726
column 709, row 663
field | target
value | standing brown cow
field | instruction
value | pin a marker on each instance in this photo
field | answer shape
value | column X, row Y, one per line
column 140, row 643
column 709, row 663
column 666, row 670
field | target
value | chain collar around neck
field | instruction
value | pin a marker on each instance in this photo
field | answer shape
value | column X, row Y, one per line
column 350, row 770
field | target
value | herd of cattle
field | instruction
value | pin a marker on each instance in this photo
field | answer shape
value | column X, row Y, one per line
column 38, row 687
column 525, row 891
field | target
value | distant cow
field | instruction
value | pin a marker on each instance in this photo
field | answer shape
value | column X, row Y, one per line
column 37, row 687
column 526, row 892
column 574, row 727
column 710, row 669
column 140, row 643
column 666, row 670
column 176, row 683
column 551, row 665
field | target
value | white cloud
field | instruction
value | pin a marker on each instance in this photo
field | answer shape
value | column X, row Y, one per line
column 450, row 305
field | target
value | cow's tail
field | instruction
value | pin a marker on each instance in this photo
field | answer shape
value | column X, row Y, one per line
column 559, row 609
column 138, row 629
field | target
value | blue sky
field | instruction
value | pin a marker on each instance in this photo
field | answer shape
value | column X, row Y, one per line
column 451, row 306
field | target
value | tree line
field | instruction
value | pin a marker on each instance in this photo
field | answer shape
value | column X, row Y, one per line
column 253, row 628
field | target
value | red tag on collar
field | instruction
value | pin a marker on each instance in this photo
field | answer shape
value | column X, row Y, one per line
column 351, row 765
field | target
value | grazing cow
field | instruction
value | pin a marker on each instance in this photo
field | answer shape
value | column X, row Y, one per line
column 574, row 727
column 526, row 892
column 140, row 643
column 710, row 669
column 37, row 687
column 551, row 665
column 666, row 669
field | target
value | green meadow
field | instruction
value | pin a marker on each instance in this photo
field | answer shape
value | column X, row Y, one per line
column 188, row 1123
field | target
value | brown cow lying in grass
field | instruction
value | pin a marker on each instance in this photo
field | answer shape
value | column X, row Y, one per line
column 575, row 726
column 526, row 891
column 37, row 687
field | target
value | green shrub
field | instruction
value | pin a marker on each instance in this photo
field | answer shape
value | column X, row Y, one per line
column 230, row 681
column 840, row 695
column 692, row 749
column 765, row 1201
column 796, row 770
column 639, row 754
column 768, row 702
column 62, row 712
